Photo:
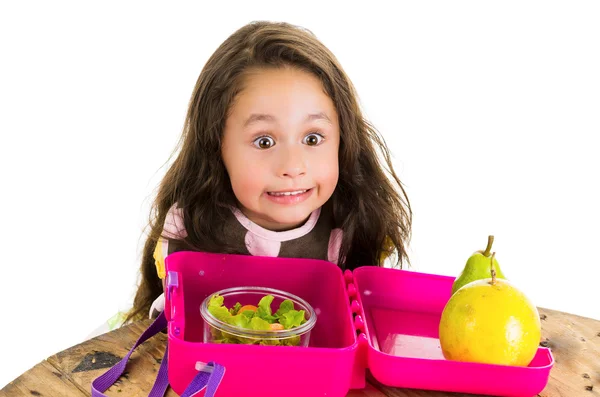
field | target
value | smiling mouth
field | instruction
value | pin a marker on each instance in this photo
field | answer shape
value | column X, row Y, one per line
column 290, row 193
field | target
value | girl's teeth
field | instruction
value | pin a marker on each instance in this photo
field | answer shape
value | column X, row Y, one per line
column 288, row 193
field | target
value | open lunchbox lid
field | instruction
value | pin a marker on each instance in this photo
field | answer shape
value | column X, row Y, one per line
column 380, row 319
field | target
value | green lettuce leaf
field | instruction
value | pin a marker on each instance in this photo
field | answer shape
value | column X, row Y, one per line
column 239, row 320
column 259, row 324
column 216, row 308
column 215, row 301
column 264, row 309
column 235, row 309
column 269, row 342
column 220, row 313
column 293, row 318
column 284, row 307
column 249, row 314
column 291, row 341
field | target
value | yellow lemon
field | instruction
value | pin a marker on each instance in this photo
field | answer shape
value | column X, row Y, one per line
column 490, row 321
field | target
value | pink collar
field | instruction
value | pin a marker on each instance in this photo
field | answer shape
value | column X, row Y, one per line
column 277, row 236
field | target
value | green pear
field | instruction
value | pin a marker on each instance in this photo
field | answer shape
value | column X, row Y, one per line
column 478, row 267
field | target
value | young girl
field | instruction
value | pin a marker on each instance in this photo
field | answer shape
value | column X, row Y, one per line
column 275, row 160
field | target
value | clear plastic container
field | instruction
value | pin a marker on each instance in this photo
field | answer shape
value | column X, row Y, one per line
column 217, row 331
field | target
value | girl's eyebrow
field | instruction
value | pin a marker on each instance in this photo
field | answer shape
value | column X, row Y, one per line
column 256, row 117
column 318, row 116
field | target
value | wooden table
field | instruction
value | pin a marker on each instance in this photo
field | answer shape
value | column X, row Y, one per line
column 574, row 340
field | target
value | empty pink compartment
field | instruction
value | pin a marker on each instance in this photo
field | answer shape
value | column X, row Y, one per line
column 325, row 367
column 401, row 313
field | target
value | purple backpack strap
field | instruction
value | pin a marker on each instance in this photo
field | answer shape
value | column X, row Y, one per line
column 209, row 380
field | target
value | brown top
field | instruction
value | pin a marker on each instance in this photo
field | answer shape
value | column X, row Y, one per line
column 574, row 340
column 317, row 238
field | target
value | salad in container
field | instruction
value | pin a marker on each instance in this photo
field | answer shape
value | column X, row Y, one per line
column 257, row 316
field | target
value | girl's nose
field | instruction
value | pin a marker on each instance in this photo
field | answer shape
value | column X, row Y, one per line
column 293, row 163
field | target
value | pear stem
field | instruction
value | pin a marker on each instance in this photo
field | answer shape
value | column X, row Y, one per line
column 489, row 246
column 492, row 269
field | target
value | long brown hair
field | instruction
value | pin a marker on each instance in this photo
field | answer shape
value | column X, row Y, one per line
column 369, row 202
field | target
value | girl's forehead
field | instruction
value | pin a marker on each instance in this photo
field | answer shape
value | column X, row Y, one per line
column 266, row 93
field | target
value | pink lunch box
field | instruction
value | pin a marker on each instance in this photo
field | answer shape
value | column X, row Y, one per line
column 383, row 320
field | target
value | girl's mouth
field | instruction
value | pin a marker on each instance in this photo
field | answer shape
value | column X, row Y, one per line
column 289, row 197
column 290, row 193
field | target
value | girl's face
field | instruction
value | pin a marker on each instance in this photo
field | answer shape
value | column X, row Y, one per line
column 280, row 147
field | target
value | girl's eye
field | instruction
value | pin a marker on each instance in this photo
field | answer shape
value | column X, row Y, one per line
column 264, row 142
column 313, row 139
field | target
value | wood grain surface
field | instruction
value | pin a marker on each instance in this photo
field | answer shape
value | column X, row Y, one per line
column 574, row 340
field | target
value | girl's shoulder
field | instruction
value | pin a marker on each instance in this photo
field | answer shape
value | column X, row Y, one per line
column 174, row 227
column 173, row 230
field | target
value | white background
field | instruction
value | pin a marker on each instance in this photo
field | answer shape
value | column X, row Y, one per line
column 491, row 109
